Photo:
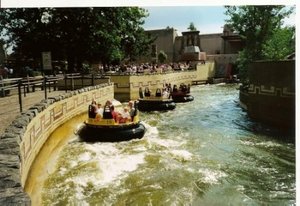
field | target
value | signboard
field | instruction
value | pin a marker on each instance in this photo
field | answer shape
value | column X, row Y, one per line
column 47, row 63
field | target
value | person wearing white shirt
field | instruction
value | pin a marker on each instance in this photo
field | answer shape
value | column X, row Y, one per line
column 99, row 110
column 165, row 94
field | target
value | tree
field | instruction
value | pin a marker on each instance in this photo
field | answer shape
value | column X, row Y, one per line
column 108, row 34
column 255, row 25
column 162, row 57
column 280, row 45
column 141, row 38
column 192, row 27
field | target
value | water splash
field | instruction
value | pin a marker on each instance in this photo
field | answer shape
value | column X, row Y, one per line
column 188, row 156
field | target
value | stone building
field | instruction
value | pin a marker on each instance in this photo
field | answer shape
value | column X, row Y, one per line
column 173, row 45
column 221, row 48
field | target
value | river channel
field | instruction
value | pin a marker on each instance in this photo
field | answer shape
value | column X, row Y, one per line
column 206, row 152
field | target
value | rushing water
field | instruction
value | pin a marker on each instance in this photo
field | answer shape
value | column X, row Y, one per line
column 206, row 152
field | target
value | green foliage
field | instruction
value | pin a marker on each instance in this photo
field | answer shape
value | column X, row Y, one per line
column 243, row 61
column 162, row 57
column 192, row 27
column 255, row 25
column 108, row 34
column 281, row 44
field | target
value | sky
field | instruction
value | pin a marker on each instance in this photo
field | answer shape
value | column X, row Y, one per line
column 207, row 15
column 207, row 19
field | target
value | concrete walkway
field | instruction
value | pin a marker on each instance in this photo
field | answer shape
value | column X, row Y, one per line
column 10, row 108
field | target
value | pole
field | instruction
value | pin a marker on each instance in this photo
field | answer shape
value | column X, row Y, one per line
column 55, row 83
column 66, row 82
column 49, row 85
column 45, row 86
column 24, row 88
column 2, row 84
column 20, row 95
column 27, row 89
column 72, row 83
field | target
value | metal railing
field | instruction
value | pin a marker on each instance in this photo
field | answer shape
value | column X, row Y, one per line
column 46, row 83
column 24, row 85
column 71, row 78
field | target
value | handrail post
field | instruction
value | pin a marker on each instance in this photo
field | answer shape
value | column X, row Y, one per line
column 2, row 84
column 45, row 86
column 72, row 83
column 20, row 95
column 66, row 82
column 24, row 88
column 27, row 88
column 49, row 85
column 55, row 84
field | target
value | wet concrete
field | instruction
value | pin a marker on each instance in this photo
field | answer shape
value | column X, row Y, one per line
column 44, row 163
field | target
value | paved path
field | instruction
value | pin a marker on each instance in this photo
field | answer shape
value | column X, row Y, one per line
column 10, row 108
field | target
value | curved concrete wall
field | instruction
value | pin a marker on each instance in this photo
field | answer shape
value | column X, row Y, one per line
column 59, row 111
column 271, row 94
column 126, row 87
column 24, row 138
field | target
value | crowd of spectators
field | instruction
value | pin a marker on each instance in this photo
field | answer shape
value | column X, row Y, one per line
column 6, row 71
column 146, row 68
